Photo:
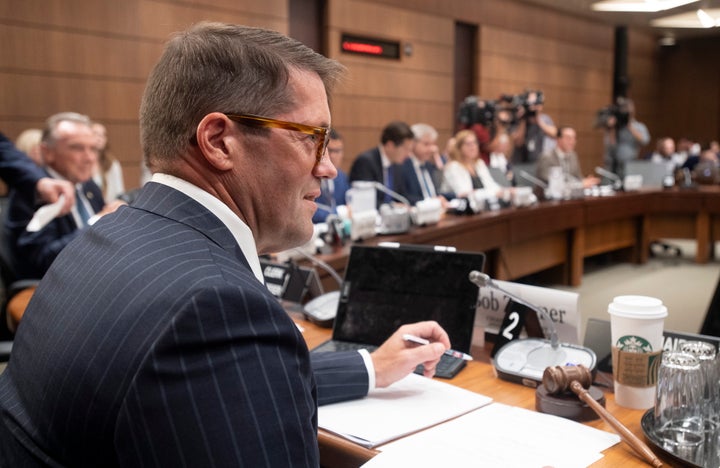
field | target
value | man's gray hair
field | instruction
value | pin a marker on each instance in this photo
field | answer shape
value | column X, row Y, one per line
column 422, row 129
column 217, row 67
column 49, row 136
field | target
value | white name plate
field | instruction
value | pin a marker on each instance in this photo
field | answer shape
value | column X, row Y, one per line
column 561, row 306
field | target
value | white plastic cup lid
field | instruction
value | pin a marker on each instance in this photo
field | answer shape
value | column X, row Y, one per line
column 637, row 307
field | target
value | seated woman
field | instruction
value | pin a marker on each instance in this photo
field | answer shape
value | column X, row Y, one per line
column 466, row 174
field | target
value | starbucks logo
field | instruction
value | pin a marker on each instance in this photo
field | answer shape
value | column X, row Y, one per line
column 634, row 344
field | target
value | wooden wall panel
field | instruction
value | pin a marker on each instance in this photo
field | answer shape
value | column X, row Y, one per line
column 417, row 87
column 644, row 74
column 516, row 16
column 99, row 17
column 57, row 52
column 690, row 95
column 159, row 19
column 40, row 96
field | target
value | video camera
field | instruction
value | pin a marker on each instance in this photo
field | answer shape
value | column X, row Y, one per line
column 529, row 100
column 619, row 110
column 476, row 110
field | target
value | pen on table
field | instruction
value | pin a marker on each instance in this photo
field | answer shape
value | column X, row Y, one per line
column 449, row 352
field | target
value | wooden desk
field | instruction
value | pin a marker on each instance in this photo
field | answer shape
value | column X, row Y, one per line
column 557, row 236
column 479, row 377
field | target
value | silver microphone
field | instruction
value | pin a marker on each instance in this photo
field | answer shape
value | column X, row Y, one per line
column 483, row 280
column 617, row 182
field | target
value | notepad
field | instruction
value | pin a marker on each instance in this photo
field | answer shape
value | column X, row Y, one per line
column 409, row 405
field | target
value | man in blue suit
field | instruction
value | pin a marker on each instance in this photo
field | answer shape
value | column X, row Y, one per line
column 332, row 190
column 419, row 172
column 69, row 148
column 152, row 340
column 383, row 163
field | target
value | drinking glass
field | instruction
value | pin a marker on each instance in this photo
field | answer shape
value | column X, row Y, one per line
column 679, row 419
column 706, row 353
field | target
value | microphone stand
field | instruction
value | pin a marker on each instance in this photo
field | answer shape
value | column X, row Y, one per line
column 393, row 194
column 482, row 280
column 536, row 182
column 617, row 183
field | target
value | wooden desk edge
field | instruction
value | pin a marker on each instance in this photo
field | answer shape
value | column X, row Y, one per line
column 337, row 451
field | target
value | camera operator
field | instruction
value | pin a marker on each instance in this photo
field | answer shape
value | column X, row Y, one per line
column 500, row 146
column 535, row 131
column 476, row 114
column 624, row 135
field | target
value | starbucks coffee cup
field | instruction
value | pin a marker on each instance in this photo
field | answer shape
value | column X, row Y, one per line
column 636, row 328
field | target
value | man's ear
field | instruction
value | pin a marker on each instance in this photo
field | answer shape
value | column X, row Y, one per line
column 216, row 135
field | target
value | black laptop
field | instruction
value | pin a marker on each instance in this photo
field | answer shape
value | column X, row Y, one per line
column 385, row 287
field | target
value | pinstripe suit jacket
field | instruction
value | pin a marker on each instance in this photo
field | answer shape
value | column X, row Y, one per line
column 150, row 343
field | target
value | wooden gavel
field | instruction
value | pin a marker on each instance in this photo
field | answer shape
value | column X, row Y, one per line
column 560, row 379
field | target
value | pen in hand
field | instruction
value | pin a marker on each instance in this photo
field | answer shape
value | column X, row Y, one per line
column 449, row 352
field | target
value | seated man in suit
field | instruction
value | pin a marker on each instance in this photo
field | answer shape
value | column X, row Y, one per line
column 152, row 340
column 382, row 163
column 565, row 157
column 332, row 191
column 419, row 172
column 69, row 151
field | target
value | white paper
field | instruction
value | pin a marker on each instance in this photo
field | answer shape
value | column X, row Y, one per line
column 408, row 405
column 45, row 214
column 561, row 306
column 499, row 435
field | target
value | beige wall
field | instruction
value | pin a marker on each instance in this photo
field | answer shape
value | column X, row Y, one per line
column 93, row 56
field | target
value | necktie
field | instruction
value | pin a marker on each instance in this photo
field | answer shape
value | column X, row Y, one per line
column 82, row 211
column 388, row 183
column 427, row 182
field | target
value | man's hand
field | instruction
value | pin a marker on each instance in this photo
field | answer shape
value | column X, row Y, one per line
column 396, row 358
column 50, row 190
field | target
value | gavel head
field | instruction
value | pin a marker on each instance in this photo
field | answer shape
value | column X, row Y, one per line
column 557, row 379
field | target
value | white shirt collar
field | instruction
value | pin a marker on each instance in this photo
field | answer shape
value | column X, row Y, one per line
column 383, row 157
column 240, row 231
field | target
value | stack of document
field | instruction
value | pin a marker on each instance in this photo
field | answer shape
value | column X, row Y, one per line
column 422, row 422
column 499, row 435
column 409, row 405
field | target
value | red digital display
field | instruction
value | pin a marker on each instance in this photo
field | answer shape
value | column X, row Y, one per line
column 369, row 46
column 362, row 48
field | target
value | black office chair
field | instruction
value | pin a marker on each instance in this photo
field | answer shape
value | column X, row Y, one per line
column 711, row 324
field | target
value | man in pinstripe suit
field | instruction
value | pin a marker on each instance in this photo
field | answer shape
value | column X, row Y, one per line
column 152, row 340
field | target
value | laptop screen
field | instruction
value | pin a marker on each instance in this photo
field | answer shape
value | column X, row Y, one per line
column 385, row 287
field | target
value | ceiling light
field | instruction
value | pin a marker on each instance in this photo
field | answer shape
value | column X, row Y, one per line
column 688, row 19
column 705, row 19
column 649, row 6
